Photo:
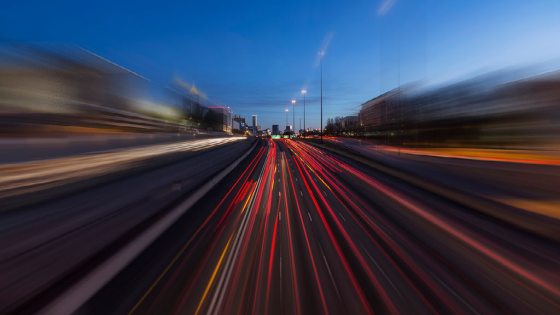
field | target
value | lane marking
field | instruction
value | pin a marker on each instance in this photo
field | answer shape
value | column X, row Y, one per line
column 309, row 216
column 68, row 302
column 324, row 193
column 232, row 256
column 456, row 295
column 213, row 276
column 378, row 267
column 280, row 214
column 342, row 217
column 332, row 278
column 301, row 193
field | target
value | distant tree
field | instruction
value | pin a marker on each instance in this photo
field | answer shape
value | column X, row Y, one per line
column 337, row 125
column 329, row 127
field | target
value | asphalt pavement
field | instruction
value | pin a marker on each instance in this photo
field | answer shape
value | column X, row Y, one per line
column 47, row 246
column 295, row 229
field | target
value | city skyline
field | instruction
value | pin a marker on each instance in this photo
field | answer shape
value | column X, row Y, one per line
column 275, row 50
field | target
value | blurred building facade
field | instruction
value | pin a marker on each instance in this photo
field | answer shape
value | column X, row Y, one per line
column 486, row 111
column 349, row 125
column 379, row 114
column 64, row 86
column 221, row 118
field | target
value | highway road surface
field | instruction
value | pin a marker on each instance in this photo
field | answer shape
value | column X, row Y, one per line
column 295, row 229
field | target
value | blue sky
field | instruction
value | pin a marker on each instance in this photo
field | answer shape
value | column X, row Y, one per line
column 256, row 56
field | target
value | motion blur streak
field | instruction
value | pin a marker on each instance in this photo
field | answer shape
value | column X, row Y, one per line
column 19, row 179
column 146, row 166
column 296, row 228
column 365, row 251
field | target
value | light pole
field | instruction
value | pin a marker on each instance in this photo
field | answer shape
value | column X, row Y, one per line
column 304, row 130
column 293, row 116
column 321, row 60
column 286, row 117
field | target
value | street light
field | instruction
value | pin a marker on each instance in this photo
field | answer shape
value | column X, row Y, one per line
column 293, row 116
column 286, row 117
column 321, row 53
column 304, row 130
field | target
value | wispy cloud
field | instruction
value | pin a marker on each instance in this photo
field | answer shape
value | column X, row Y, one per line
column 385, row 6
column 323, row 49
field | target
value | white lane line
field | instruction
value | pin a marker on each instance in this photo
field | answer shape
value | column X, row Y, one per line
column 296, row 179
column 324, row 193
column 309, row 216
column 456, row 295
column 342, row 217
column 330, row 273
column 378, row 267
column 301, row 193
column 280, row 215
column 228, row 267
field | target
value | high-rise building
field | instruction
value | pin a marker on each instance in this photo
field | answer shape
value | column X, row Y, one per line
column 275, row 129
column 240, row 119
column 254, row 121
column 239, row 122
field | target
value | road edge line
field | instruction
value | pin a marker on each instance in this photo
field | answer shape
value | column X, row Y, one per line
column 81, row 292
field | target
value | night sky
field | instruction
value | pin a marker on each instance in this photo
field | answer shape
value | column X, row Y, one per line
column 256, row 56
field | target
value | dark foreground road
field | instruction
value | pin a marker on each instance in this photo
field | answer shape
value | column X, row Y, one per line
column 294, row 229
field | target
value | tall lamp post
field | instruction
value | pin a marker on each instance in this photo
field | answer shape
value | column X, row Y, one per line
column 286, row 117
column 304, row 130
column 321, row 53
column 293, row 116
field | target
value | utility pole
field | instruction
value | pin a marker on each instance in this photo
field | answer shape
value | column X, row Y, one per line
column 304, row 130
column 399, row 102
column 293, row 116
column 321, row 53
